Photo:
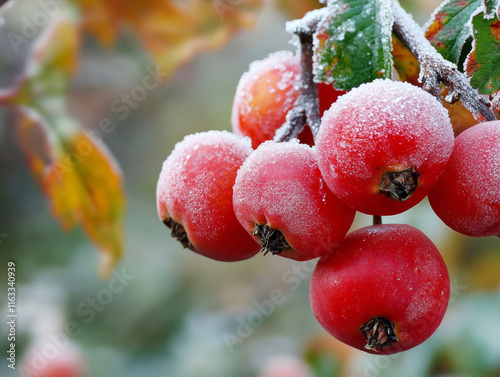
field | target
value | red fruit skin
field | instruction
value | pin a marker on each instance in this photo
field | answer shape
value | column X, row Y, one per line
column 195, row 190
column 327, row 94
column 379, row 127
column 267, row 92
column 391, row 271
column 467, row 196
column 280, row 185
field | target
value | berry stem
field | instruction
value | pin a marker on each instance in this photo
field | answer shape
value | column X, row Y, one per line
column 306, row 107
column 434, row 69
column 377, row 220
column 379, row 333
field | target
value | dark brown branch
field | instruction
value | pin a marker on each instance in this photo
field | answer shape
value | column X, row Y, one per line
column 434, row 69
column 306, row 107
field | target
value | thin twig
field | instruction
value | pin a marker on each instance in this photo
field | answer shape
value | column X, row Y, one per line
column 434, row 69
column 306, row 107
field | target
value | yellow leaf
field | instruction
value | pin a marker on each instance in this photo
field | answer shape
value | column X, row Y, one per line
column 83, row 184
column 80, row 178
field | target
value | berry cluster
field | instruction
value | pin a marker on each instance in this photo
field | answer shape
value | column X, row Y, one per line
column 381, row 149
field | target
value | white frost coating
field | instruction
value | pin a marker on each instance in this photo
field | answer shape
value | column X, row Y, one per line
column 382, row 17
column 473, row 179
column 433, row 15
column 306, row 24
column 416, row 37
column 373, row 115
column 197, row 165
column 290, row 199
column 264, row 95
column 280, row 184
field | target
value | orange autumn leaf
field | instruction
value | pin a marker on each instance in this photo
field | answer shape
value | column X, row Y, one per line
column 83, row 185
column 172, row 31
column 405, row 63
column 79, row 177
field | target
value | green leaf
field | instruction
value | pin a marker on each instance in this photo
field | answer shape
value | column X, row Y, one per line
column 483, row 64
column 490, row 7
column 353, row 43
column 448, row 28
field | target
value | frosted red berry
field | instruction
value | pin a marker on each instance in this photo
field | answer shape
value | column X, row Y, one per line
column 267, row 92
column 281, row 199
column 467, row 196
column 385, row 289
column 383, row 146
column 194, row 195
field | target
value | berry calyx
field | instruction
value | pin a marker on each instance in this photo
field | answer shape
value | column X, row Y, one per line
column 379, row 333
column 399, row 185
column 179, row 233
column 271, row 240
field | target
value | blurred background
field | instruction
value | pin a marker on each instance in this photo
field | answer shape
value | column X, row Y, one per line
column 165, row 311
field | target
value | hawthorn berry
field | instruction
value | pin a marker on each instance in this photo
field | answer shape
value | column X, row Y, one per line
column 281, row 199
column 267, row 92
column 384, row 289
column 383, row 146
column 467, row 196
column 195, row 196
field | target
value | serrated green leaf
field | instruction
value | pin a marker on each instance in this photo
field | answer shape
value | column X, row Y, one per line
column 353, row 43
column 483, row 63
column 448, row 28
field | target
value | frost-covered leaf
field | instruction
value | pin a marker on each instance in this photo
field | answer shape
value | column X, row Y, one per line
column 406, row 64
column 353, row 43
column 490, row 7
column 80, row 179
column 483, row 63
column 448, row 28
column 172, row 31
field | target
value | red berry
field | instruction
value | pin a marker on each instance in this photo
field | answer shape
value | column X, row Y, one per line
column 68, row 362
column 194, row 195
column 385, row 289
column 264, row 96
column 467, row 196
column 382, row 146
column 281, row 198
column 267, row 92
column 327, row 95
